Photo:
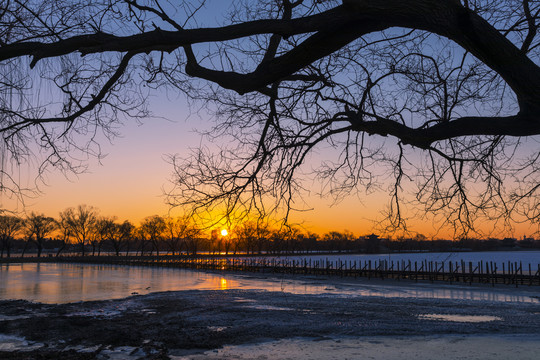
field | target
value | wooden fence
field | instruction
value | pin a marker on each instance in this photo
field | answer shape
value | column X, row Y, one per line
column 510, row 273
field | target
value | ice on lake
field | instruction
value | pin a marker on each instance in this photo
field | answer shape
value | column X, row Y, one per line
column 64, row 283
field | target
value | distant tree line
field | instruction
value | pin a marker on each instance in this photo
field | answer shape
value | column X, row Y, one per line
column 83, row 231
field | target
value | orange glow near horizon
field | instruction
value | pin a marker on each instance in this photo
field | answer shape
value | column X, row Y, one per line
column 129, row 182
column 358, row 217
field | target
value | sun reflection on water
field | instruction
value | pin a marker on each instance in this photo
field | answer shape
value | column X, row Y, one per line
column 223, row 284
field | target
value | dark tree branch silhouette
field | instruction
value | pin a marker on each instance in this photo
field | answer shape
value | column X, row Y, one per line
column 37, row 228
column 443, row 95
column 81, row 224
column 9, row 227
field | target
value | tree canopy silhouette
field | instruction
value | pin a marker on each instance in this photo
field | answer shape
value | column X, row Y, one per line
column 449, row 91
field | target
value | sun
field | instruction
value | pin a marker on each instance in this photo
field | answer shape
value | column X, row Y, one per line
column 224, row 232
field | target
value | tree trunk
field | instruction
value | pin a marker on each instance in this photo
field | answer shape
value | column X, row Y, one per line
column 25, row 248
column 61, row 248
column 39, row 248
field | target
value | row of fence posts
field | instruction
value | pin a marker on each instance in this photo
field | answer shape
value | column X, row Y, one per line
column 488, row 272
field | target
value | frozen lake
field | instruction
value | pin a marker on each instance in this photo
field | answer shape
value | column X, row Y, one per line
column 497, row 257
column 64, row 283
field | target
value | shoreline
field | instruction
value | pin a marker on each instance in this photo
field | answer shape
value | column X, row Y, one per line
column 192, row 323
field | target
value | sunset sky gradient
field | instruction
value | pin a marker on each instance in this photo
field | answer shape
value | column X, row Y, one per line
column 129, row 182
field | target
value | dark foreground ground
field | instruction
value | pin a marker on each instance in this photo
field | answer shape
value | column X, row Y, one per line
column 170, row 325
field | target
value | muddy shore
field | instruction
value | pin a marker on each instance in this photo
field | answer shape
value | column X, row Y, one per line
column 172, row 325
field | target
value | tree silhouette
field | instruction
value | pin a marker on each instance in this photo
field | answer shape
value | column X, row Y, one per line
column 64, row 227
column 38, row 227
column 181, row 233
column 153, row 228
column 174, row 230
column 122, row 236
column 442, row 95
column 9, row 226
column 253, row 236
column 106, row 230
column 81, row 221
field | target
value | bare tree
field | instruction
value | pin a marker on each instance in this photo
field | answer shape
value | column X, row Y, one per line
column 140, row 240
column 253, row 235
column 122, row 236
column 153, row 228
column 9, row 226
column 192, row 237
column 214, row 245
column 246, row 236
column 338, row 240
column 81, row 220
column 118, row 235
column 38, row 227
column 181, row 233
column 106, row 229
column 174, row 229
column 308, row 241
column 64, row 227
column 227, row 241
column 283, row 240
column 443, row 95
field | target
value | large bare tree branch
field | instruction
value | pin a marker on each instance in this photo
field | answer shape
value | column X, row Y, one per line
column 458, row 80
column 345, row 23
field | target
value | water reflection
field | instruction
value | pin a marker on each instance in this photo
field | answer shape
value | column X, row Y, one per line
column 61, row 283
column 223, row 283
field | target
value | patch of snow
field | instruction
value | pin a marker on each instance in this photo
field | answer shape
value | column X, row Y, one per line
column 217, row 328
column 83, row 349
column 17, row 343
column 148, row 311
column 121, row 353
column 459, row 318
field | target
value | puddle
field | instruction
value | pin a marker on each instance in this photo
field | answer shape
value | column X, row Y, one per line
column 459, row 318
column 269, row 307
column 242, row 300
column 96, row 313
column 448, row 347
column 13, row 317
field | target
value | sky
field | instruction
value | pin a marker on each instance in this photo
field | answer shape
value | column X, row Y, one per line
column 129, row 181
